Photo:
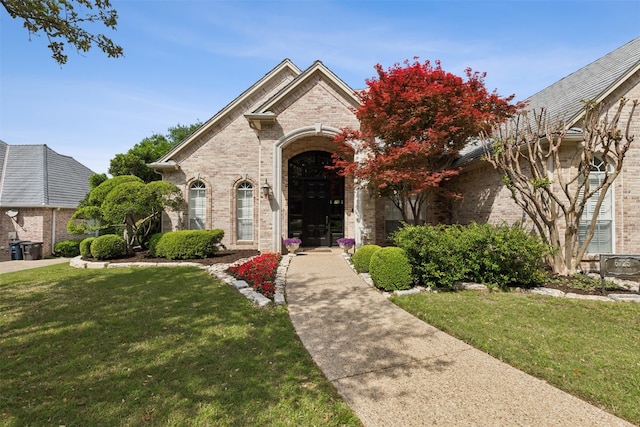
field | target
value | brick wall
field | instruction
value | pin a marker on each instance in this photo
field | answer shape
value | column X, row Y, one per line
column 35, row 225
column 231, row 151
column 485, row 198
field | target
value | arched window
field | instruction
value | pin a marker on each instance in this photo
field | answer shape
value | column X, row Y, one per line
column 197, row 206
column 602, row 241
column 244, row 211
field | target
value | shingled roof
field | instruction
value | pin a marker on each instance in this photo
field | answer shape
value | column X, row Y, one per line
column 37, row 176
column 593, row 82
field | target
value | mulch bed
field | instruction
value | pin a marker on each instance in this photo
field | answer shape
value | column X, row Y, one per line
column 222, row 257
column 566, row 288
column 231, row 256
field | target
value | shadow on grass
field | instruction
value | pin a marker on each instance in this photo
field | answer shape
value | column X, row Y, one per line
column 151, row 346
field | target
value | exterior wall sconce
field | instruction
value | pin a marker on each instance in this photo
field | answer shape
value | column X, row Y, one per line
column 266, row 189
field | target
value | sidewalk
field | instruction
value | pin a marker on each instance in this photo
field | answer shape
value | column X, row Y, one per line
column 11, row 266
column 395, row 370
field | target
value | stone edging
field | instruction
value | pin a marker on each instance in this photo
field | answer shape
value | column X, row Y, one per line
column 479, row 287
column 217, row 270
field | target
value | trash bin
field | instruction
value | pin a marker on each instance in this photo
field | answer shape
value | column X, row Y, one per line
column 31, row 250
column 15, row 249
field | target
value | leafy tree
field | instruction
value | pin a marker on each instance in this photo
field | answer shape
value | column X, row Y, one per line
column 97, row 179
column 548, row 173
column 62, row 22
column 134, row 162
column 414, row 119
column 94, row 180
column 127, row 203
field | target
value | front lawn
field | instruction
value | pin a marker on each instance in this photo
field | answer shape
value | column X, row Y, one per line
column 151, row 346
column 590, row 349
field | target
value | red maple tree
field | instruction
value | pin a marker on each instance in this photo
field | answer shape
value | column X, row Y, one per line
column 414, row 120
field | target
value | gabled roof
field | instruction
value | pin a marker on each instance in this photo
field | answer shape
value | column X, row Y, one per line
column 563, row 99
column 285, row 66
column 315, row 69
column 263, row 113
column 37, row 176
column 594, row 82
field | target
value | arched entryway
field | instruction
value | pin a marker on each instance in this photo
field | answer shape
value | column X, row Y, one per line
column 316, row 200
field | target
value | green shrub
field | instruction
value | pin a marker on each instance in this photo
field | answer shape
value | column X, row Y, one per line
column 362, row 257
column 436, row 254
column 188, row 244
column 85, row 247
column 498, row 255
column 109, row 246
column 390, row 269
column 153, row 244
column 505, row 255
column 67, row 248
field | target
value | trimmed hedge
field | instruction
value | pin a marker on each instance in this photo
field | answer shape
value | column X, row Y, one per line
column 85, row 247
column 108, row 246
column 497, row 255
column 436, row 254
column 362, row 257
column 390, row 269
column 186, row 244
column 67, row 248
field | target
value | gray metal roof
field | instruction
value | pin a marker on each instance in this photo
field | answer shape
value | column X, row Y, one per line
column 35, row 175
column 563, row 99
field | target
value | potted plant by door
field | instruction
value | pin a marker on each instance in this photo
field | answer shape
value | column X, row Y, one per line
column 346, row 243
column 292, row 244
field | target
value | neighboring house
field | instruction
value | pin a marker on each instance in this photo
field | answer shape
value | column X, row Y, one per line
column 256, row 168
column 39, row 192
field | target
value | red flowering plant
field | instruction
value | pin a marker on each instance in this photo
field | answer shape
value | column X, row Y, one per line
column 259, row 272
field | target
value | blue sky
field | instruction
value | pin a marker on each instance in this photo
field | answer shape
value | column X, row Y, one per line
column 185, row 60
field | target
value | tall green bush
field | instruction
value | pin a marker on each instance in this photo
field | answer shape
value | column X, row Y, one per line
column 362, row 257
column 499, row 255
column 505, row 255
column 108, row 246
column 187, row 244
column 153, row 244
column 390, row 269
column 436, row 254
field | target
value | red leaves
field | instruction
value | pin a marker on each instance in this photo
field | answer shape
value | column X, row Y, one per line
column 414, row 119
column 259, row 272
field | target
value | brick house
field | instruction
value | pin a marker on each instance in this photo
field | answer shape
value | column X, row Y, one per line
column 39, row 192
column 256, row 168
column 606, row 80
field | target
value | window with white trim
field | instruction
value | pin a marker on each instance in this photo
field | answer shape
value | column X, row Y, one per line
column 393, row 217
column 602, row 241
column 197, row 206
column 244, row 211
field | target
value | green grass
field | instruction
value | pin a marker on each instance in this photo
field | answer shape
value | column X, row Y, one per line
column 151, row 346
column 587, row 348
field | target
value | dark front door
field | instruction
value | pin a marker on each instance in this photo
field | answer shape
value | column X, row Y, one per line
column 315, row 212
column 316, row 200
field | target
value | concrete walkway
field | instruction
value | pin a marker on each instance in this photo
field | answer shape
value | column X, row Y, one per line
column 395, row 370
column 11, row 266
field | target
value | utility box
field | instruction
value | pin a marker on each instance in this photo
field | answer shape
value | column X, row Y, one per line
column 31, row 250
column 16, row 250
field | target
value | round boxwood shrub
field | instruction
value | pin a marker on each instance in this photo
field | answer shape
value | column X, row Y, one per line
column 109, row 246
column 85, row 247
column 390, row 269
column 362, row 256
column 153, row 244
column 188, row 244
column 67, row 248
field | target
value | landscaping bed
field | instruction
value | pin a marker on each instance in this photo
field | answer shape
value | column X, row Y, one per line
column 222, row 257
